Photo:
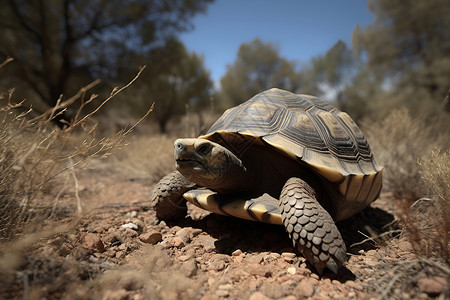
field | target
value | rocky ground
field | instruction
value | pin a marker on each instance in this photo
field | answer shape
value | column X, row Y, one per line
column 119, row 250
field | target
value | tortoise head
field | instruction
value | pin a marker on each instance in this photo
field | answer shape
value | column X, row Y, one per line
column 209, row 164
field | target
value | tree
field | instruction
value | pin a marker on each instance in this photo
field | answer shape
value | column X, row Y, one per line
column 258, row 67
column 408, row 47
column 54, row 41
column 176, row 80
column 329, row 74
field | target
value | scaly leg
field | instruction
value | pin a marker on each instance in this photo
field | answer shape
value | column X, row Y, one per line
column 311, row 227
column 167, row 198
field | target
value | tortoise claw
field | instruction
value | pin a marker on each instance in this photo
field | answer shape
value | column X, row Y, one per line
column 332, row 265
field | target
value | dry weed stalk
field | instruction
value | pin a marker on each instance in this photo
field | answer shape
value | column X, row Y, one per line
column 35, row 157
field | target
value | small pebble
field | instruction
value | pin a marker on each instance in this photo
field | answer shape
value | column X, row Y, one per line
column 225, row 287
column 177, row 242
column 151, row 237
column 93, row 241
column 288, row 256
column 292, row 270
column 222, row 293
column 130, row 226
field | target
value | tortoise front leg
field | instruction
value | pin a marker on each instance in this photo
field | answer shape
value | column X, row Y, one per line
column 311, row 227
column 167, row 198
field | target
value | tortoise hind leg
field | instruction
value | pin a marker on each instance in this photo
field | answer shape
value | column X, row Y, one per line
column 311, row 227
column 167, row 198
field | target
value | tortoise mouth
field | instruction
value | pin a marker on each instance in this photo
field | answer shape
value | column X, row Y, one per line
column 189, row 163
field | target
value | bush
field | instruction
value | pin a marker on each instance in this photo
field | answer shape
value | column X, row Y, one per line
column 398, row 141
column 38, row 160
column 417, row 172
column 435, row 173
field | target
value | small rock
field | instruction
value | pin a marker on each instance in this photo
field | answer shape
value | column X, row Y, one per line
column 288, row 256
column 120, row 254
column 109, row 253
column 184, row 258
column 353, row 285
column 219, row 261
column 432, row 286
column 93, row 241
column 130, row 226
column 269, row 257
column 196, row 231
column 207, row 242
column 184, row 234
column 189, row 268
column 99, row 229
column 254, row 258
column 273, row 290
column 133, row 214
column 257, row 270
column 124, row 247
column 304, row 289
column 292, row 270
column 177, row 242
column 225, row 287
column 315, row 276
column 151, row 237
column 258, row 296
column 218, row 265
column 236, row 252
column 65, row 249
column 222, row 293
column 111, row 237
column 128, row 233
column 121, row 294
column 80, row 252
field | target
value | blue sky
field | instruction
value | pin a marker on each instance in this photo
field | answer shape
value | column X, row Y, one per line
column 301, row 28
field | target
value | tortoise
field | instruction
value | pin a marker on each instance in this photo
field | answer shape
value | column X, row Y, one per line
column 280, row 158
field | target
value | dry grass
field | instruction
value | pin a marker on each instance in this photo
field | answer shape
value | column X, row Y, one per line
column 418, row 175
column 38, row 160
column 435, row 173
column 39, row 163
column 399, row 141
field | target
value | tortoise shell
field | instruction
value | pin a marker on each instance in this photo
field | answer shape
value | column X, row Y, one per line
column 311, row 131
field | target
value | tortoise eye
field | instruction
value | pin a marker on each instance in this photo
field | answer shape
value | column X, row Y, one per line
column 203, row 149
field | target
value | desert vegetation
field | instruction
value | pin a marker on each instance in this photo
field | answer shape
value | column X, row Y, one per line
column 79, row 156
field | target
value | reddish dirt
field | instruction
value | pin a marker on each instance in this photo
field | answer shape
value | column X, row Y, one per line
column 119, row 250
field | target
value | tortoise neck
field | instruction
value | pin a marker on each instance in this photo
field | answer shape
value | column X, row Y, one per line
column 236, row 177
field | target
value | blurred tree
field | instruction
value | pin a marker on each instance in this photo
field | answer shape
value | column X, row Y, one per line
column 335, row 68
column 408, row 47
column 258, row 67
column 329, row 74
column 179, row 79
column 342, row 77
column 55, row 42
